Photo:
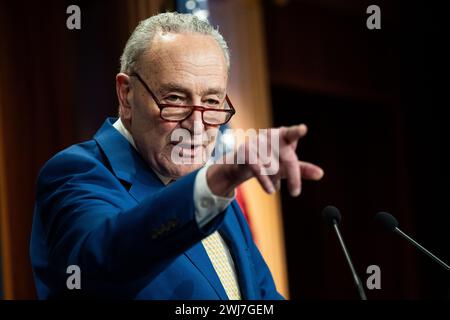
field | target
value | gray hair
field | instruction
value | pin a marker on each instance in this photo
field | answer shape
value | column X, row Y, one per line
column 141, row 38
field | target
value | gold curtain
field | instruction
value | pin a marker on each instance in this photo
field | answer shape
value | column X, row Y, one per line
column 5, row 259
column 4, row 224
column 241, row 23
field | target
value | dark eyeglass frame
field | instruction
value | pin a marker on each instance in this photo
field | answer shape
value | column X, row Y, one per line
column 193, row 108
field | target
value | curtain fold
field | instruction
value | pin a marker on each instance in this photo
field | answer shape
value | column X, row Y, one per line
column 241, row 23
column 56, row 86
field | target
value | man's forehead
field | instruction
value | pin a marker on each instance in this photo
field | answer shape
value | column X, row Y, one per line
column 175, row 60
column 178, row 47
column 205, row 89
column 174, row 38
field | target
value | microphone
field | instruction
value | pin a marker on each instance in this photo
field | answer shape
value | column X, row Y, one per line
column 388, row 222
column 333, row 217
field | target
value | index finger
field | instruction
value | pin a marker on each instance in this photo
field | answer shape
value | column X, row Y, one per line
column 294, row 133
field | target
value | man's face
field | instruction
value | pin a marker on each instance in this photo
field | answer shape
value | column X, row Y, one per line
column 185, row 69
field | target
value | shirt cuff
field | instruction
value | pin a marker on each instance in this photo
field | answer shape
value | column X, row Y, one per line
column 207, row 204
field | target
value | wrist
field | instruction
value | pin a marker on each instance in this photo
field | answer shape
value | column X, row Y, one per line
column 220, row 180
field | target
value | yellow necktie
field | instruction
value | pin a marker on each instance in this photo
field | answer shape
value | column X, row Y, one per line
column 215, row 248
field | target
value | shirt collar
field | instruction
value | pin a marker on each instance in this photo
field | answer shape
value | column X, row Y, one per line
column 118, row 125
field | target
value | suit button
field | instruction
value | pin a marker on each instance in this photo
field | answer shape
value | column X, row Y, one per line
column 156, row 233
column 173, row 223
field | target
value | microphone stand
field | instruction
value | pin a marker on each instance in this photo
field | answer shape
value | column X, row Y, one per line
column 418, row 246
column 359, row 286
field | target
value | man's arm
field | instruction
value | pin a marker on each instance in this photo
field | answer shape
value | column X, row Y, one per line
column 86, row 221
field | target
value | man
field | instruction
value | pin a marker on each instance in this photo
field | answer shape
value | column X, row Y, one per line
column 137, row 223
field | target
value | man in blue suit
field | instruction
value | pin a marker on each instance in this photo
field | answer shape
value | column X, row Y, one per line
column 134, row 220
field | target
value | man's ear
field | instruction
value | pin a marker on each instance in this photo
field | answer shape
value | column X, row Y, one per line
column 123, row 89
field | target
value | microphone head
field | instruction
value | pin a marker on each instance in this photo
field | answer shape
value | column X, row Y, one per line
column 331, row 215
column 386, row 220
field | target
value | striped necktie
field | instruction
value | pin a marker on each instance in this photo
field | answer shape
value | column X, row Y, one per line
column 223, row 264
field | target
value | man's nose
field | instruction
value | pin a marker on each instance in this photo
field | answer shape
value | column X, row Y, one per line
column 193, row 123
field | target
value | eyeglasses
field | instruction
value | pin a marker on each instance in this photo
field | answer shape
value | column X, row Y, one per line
column 177, row 113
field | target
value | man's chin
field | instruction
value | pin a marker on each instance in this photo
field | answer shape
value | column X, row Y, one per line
column 181, row 166
column 180, row 170
column 174, row 170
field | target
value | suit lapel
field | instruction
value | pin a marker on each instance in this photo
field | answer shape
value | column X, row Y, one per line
column 144, row 184
column 126, row 163
column 199, row 258
column 232, row 234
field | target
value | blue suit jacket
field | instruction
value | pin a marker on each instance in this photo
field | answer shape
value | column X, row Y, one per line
column 100, row 207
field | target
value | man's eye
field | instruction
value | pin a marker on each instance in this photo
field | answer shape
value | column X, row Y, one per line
column 174, row 99
column 212, row 102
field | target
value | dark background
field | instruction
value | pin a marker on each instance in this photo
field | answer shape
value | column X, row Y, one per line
column 374, row 101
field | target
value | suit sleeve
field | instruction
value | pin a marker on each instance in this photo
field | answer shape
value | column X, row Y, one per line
column 77, row 206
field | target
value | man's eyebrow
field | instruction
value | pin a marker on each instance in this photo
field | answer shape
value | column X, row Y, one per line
column 215, row 90
column 171, row 86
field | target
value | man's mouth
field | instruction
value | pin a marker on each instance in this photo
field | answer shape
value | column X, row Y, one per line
column 186, row 145
column 188, row 149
